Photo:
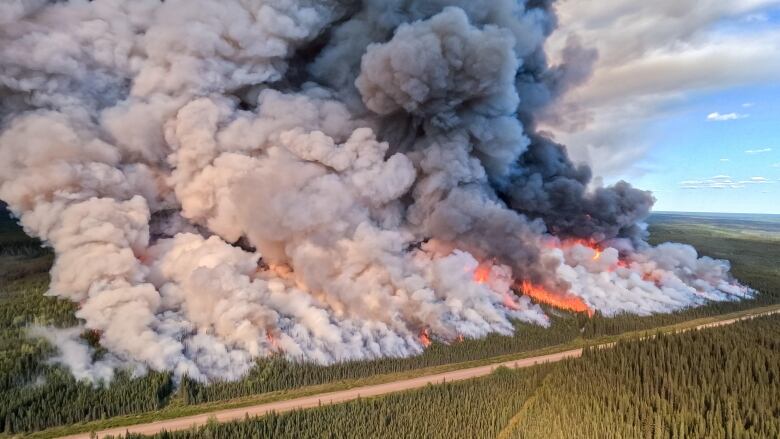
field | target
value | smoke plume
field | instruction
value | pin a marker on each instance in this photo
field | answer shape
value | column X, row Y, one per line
column 330, row 180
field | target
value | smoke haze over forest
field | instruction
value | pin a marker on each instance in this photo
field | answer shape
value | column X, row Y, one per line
column 329, row 180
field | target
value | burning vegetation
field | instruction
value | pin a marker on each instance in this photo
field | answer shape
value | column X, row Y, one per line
column 563, row 301
column 218, row 188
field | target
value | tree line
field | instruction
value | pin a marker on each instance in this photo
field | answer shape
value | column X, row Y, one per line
column 716, row 383
column 36, row 394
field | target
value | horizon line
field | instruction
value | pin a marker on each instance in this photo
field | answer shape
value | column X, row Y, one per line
column 710, row 212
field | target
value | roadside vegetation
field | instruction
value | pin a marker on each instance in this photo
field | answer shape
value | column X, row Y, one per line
column 36, row 394
column 472, row 409
column 717, row 382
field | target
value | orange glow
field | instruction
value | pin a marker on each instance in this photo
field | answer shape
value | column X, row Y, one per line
column 599, row 251
column 460, row 338
column 652, row 277
column 509, row 301
column 557, row 300
column 425, row 339
column 569, row 243
column 142, row 256
column 273, row 341
column 589, row 243
column 482, row 274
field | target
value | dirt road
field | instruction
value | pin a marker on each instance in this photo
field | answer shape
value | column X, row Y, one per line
column 329, row 398
column 347, row 395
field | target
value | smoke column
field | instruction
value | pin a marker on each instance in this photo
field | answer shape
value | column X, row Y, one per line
column 330, row 180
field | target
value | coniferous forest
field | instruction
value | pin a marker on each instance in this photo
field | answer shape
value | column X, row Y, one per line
column 36, row 394
column 715, row 383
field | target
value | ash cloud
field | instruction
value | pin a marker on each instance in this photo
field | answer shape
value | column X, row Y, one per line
column 226, row 180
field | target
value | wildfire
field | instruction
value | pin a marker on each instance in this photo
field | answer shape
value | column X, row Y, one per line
column 509, row 302
column 590, row 243
column 272, row 340
column 482, row 274
column 598, row 252
column 425, row 339
column 558, row 300
column 652, row 277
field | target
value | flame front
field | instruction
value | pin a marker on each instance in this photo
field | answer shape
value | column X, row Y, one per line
column 589, row 243
column 425, row 339
column 482, row 274
column 558, row 300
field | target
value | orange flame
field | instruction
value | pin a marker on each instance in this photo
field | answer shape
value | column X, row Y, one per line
column 425, row 339
column 558, row 300
column 590, row 243
column 482, row 274
column 272, row 340
column 598, row 251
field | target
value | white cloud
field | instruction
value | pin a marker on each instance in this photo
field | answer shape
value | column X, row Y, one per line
column 758, row 151
column 717, row 117
column 652, row 56
column 776, row 165
column 716, row 182
column 723, row 182
column 756, row 18
column 725, row 160
column 748, row 105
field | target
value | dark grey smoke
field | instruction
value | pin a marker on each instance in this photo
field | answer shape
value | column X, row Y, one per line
column 222, row 180
column 548, row 186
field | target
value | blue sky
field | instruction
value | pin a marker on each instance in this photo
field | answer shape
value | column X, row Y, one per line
column 704, row 165
column 684, row 100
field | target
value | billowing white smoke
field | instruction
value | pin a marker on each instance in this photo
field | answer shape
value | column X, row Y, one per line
column 660, row 279
column 223, row 180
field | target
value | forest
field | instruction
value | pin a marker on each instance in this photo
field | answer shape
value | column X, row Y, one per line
column 712, row 383
column 36, row 394
column 719, row 382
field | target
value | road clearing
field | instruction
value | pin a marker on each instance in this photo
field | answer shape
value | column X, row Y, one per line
column 341, row 396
